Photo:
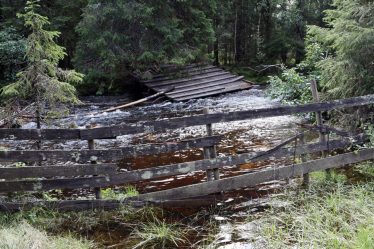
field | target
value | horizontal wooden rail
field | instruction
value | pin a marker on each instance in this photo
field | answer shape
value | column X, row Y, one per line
column 70, row 205
column 44, row 134
column 175, row 123
column 88, row 204
column 105, row 155
column 253, row 179
column 164, row 171
column 50, row 184
column 56, row 171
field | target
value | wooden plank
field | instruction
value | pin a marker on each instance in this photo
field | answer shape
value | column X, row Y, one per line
column 53, row 171
column 226, row 88
column 202, row 87
column 162, row 171
column 50, row 184
column 70, row 205
column 182, row 71
column 218, row 88
column 163, row 125
column 178, row 71
column 35, row 134
column 189, row 79
column 220, row 162
column 110, row 154
column 199, row 82
column 253, row 179
column 80, row 205
column 197, row 73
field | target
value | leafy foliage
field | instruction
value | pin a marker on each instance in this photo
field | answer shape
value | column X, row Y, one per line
column 291, row 87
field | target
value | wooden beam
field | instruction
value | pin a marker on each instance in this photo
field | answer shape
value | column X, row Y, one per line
column 44, row 134
column 162, row 171
column 70, row 205
column 175, row 123
column 50, row 184
column 83, row 156
column 256, row 178
column 164, row 125
column 200, row 89
column 202, row 82
column 188, row 72
column 55, row 171
column 187, row 79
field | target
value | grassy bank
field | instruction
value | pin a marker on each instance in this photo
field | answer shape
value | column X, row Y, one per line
column 336, row 213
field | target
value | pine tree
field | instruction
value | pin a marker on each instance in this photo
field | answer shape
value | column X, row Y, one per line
column 41, row 81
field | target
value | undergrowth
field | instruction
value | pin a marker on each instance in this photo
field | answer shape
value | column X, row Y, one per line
column 330, row 214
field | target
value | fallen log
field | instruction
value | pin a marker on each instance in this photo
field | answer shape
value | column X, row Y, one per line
column 139, row 101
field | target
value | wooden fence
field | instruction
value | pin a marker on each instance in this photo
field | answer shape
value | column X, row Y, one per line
column 86, row 171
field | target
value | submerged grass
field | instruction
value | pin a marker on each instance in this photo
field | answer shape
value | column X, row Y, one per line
column 331, row 214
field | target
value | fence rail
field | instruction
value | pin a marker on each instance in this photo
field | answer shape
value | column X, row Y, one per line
column 96, row 175
column 175, row 123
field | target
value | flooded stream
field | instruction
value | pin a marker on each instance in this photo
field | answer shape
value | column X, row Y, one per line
column 238, row 137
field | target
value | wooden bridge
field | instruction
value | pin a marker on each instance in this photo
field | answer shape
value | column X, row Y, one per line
column 86, row 170
column 195, row 81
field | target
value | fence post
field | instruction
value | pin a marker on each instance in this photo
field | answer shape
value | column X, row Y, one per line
column 210, row 152
column 322, row 135
column 303, row 160
column 91, row 146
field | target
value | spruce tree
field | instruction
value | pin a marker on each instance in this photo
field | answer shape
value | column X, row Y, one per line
column 41, row 81
column 348, row 67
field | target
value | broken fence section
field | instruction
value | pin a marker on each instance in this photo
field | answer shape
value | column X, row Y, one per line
column 97, row 175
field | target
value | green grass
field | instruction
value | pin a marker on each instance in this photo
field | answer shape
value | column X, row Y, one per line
column 127, row 192
column 24, row 236
column 331, row 214
column 159, row 234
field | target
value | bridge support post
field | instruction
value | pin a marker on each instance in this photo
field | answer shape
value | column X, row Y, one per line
column 210, row 152
column 91, row 146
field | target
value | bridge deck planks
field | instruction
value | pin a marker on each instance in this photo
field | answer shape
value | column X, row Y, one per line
column 196, row 82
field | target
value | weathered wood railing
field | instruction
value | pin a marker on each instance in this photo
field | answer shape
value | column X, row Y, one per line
column 86, row 175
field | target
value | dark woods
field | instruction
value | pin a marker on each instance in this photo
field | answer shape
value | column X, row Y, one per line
column 110, row 40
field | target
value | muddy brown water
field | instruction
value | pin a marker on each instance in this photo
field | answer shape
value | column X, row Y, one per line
column 238, row 137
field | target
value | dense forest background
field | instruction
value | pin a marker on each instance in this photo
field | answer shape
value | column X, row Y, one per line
column 110, row 41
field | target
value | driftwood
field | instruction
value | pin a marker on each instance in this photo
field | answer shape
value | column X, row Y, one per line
column 138, row 101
